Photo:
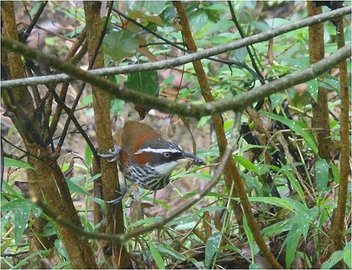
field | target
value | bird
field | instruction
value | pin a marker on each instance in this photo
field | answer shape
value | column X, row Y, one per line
column 145, row 158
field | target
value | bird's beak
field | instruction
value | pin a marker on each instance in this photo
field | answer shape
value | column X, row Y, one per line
column 195, row 159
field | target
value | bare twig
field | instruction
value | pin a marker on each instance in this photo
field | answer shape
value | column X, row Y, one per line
column 237, row 103
column 174, row 44
column 187, row 58
column 338, row 224
column 34, row 21
column 63, row 92
column 231, row 174
column 80, row 91
column 239, row 28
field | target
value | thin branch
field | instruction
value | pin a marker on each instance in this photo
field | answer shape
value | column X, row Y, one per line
column 231, row 174
column 26, row 153
column 70, row 113
column 81, row 88
column 186, row 58
column 224, row 61
column 230, row 171
column 237, row 103
column 1, row 163
column 338, row 224
column 64, row 88
column 239, row 28
column 23, row 36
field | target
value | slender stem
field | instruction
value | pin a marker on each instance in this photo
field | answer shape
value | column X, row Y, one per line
column 338, row 224
column 190, row 57
column 237, row 103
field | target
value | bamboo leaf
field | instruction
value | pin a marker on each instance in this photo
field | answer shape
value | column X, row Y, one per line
column 211, row 248
column 294, row 126
column 10, row 162
column 156, row 256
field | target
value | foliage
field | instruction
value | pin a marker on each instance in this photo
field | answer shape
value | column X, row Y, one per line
column 280, row 145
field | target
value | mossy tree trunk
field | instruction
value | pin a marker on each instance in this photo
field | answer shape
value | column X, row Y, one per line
column 320, row 122
column 46, row 181
column 115, row 254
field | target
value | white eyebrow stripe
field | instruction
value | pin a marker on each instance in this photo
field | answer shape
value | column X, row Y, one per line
column 158, row 151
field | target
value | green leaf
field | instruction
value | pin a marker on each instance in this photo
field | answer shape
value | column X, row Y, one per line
column 330, row 83
column 74, row 188
column 198, row 19
column 117, row 106
column 211, row 248
column 14, row 193
column 87, row 100
column 294, row 183
column 166, row 249
column 347, row 254
column 144, row 81
column 88, row 156
column 145, row 221
column 277, row 99
column 322, row 174
column 203, row 121
column 156, row 256
column 293, row 125
column 121, row 44
column 21, row 219
column 252, row 244
column 34, row 254
column 60, row 248
column 95, row 177
column 277, row 22
column 278, row 227
column 334, row 259
column 291, row 241
column 246, row 163
column 10, row 162
column 312, row 87
column 253, row 183
column 154, row 7
column 197, row 264
column 49, row 229
column 335, row 173
column 21, row 209
column 100, row 202
column 253, row 265
column 285, row 203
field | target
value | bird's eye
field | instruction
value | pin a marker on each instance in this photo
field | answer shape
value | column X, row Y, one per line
column 167, row 154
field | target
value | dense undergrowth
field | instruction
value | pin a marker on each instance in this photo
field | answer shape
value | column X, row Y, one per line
column 291, row 176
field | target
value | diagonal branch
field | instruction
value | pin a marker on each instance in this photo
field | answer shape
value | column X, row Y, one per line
column 187, row 58
column 238, row 103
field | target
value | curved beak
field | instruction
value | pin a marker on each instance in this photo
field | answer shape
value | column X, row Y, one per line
column 196, row 160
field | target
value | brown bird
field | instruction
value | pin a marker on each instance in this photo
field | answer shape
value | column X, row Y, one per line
column 145, row 158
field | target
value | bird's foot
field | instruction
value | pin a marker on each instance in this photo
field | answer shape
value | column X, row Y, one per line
column 113, row 154
column 120, row 196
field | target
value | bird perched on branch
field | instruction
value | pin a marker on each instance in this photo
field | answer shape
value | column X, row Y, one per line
column 145, row 158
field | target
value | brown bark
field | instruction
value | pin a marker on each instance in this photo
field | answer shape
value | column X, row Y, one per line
column 231, row 173
column 338, row 223
column 46, row 180
column 320, row 121
column 15, row 70
column 109, row 174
